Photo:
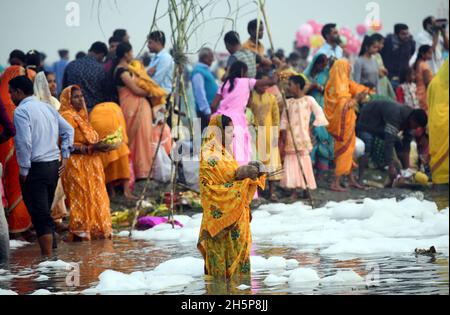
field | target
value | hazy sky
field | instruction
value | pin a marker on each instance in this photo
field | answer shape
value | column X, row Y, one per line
column 41, row 24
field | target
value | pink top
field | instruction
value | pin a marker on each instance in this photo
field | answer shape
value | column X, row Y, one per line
column 233, row 105
column 300, row 111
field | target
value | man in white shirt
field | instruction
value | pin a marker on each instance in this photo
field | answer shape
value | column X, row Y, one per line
column 436, row 36
column 331, row 48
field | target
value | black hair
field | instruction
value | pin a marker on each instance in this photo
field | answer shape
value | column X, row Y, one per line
column 400, row 27
column 420, row 117
column 294, row 56
column 121, row 51
column 17, row 54
column 158, row 36
column 99, row 48
column 261, row 74
column 63, row 53
column 114, row 39
column 280, row 54
column 368, row 41
column 225, row 123
column 235, row 72
column 253, row 25
column 298, row 80
column 232, row 38
column 320, row 59
column 47, row 73
column 405, row 75
column 377, row 37
column 80, row 54
column 422, row 51
column 326, row 30
column 120, row 33
column 33, row 59
column 370, row 85
column 22, row 83
column 428, row 20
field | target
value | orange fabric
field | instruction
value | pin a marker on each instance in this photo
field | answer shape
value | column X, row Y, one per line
column 423, row 70
column 106, row 119
column 166, row 141
column 340, row 110
column 225, row 237
column 19, row 220
column 138, row 118
column 84, row 180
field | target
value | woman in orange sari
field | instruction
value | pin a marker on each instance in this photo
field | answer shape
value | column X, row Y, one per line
column 84, row 178
column 19, row 220
column 106, row 119
column 342, row 97
column 137, row 111
column 226, row 192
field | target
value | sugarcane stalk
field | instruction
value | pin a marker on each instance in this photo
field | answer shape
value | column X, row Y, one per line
column 297, row 152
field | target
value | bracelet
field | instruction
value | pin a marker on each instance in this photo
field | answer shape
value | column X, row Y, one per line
column 90, row 149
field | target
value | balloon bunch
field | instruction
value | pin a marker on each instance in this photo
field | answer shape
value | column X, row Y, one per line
column 309, row 35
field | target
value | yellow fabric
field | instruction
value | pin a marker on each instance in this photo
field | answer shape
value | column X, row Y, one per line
column 225, row 238
column 84, row 180
column 250, row 45
column 157, row 94
column 438, row 101
column 267, row 115
column 340, row 110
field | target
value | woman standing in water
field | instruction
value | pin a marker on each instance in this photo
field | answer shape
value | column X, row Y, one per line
column 226, row 191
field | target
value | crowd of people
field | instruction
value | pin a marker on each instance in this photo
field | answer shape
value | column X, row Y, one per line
column 263, row 117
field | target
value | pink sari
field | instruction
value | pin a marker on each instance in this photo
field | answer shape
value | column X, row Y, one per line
column 138, row 117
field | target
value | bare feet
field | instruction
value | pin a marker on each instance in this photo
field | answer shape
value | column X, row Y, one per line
column 274, row 198
column 129, row 196
column 353, row 183
column 337, row 188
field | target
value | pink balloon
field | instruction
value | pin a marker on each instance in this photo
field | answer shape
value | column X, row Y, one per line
column 361, row 29
column 306, row 30
column 318, row 29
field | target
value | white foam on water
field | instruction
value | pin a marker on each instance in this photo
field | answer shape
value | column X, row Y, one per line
column 304, row 276
column 344, row 276
column 274, row 280
column 41, row 292
column 15, row 244
column 42, row 278
column 7, row 292
column 59, row 264
column 243, row 287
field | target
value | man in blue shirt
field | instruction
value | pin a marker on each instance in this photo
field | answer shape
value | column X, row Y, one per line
column 39, row 128
column 162, row 65
column 204, row 85
column 331, row 48
column 59, row 67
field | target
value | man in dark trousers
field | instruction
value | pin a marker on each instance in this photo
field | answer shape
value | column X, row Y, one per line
column 39, row 128
column 394, row 123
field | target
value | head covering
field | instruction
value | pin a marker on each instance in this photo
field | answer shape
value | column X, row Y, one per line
column 9, row 74
column 339, row 83
column 81, row 118
column 309, row 69
column 42, row 91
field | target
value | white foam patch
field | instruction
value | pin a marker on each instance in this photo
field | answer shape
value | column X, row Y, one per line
column 344, row 276
column 243, row 287
column 274, row 280
column 15, row 244
column 59, row 264
column 42, row 278
column 304, row 276
column 7, row 292
column 41, row 292
column 361, row 227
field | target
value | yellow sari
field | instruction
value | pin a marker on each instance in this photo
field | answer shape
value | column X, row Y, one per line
column 438, row 101
column 340, row 110
column 225, row 237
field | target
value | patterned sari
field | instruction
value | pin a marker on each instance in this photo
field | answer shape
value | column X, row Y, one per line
column 84, row 179
column 225, row 238
column 438, row 96
column 18, row 218
column 340, row 109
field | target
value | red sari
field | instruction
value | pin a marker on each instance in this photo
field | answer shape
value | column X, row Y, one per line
column 18, row 220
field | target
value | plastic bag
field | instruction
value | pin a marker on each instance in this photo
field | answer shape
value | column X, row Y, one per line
column 191, row 171
column 360, row 148
column 162, row 170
